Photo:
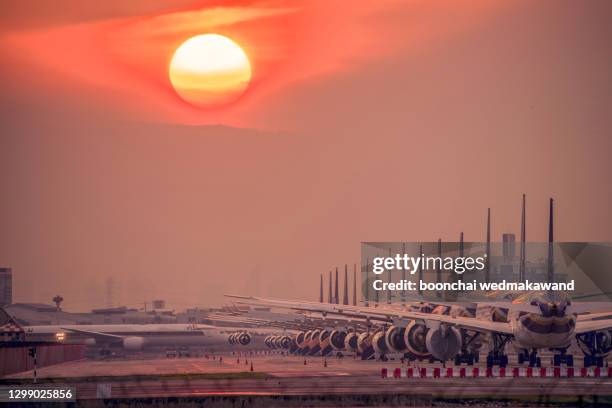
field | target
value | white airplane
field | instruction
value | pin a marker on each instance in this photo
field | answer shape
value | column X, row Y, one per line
column 134, row 337
column 533, row 322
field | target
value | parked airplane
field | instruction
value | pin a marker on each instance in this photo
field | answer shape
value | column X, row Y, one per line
column 541, row 323
column 134, row 337
column 529, row 320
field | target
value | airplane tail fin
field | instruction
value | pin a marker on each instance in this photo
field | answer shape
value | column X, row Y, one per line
column 10, row 330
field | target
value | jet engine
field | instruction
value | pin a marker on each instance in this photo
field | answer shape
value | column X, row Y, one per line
column 278, row 340
column 314, row 338
column 364, row 345
column 394, row 337
column 308, row 336
column 243, row 338
column 299, row 340
column 304, row 346
column 272, row 340
column 443, row 343
column 285, row 342
column 314, row 342
column 133, row 343
column 350, row 341
column 364, row 341
column 325, row 342
column 379, row 343
column 268, row 341
column 414, row 339
column 337, row 338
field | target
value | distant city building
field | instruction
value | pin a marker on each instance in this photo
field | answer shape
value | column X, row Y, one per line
column 6, row 286
column 110, row 310
column 33, row 314
column 509, row 247
column 159, row 304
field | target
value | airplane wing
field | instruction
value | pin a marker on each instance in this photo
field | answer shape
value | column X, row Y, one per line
column 593, row 325
column 324, row 309
column 103, row 337
column 468, row 323
column 594, row 316
column 590, row 307
column 385, row 313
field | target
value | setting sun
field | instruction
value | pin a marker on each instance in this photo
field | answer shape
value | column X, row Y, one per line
column 209, row 70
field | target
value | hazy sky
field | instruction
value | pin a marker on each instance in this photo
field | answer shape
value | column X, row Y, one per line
column 386, row 121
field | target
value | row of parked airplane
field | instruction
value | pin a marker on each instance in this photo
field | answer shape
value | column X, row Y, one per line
column 418, row 330
column 453, row 331
column 435, row 330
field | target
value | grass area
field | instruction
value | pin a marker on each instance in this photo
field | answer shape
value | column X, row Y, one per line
column 143, row 377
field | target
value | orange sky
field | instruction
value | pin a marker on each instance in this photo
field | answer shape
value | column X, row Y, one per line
column 286, row 42
column 366, row 121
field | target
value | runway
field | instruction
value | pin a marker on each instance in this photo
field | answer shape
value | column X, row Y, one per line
column 273, row 364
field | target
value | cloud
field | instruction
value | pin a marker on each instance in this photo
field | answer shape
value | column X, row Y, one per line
column 124, row 60
column 36, row 14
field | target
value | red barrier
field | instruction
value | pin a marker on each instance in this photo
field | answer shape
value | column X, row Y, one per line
column 516, row 372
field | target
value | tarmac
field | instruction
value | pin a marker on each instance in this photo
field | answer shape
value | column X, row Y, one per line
column 276, row 375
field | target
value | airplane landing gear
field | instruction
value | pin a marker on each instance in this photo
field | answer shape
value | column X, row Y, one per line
column 499, row 359
column 534, row 360
column 524, row 356
column 497, row 356
column 368, row 353
column 563, row 358
column 597, row 361
column 409, row 357
column 466, row 357
column 469, row 355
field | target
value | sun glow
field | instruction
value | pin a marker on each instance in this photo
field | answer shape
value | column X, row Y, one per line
column 209, row 70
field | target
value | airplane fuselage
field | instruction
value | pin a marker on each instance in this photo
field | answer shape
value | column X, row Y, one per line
column 138, row 335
